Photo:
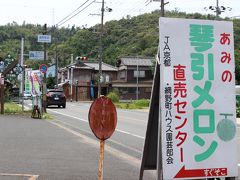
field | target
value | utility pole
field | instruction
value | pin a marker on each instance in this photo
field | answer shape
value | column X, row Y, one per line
column 101, row 51
column 218, row 11
column 56, row 66
column 44, row 79
column 162, row 8
column 137, row 79
column 71, row 77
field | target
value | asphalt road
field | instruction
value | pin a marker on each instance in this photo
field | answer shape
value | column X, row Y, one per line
column 33, row 149
column 131, row 124
column 65, row 148
column 128, row 139
column 129, row 136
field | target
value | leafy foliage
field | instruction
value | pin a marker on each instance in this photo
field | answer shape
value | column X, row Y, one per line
column 50, row 82
column 130, row 36
column 113, row 96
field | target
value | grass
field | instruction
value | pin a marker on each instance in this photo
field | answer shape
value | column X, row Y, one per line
column 13, row 108
column 138, row 104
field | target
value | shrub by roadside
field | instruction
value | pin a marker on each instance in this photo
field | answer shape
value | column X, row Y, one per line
column 136, row 104
column 114, row 96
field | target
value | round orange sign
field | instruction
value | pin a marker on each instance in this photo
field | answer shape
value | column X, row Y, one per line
column 102, row 118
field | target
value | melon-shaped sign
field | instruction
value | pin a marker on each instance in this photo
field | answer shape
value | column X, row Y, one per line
column 102, row 118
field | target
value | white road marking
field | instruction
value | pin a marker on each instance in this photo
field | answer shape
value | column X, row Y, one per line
column 70, row 125
column 30, row 176
column 128, row 133
column 131, row 160
column 84, row 120
column 80, row 119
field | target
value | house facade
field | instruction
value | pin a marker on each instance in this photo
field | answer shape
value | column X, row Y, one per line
column 79, row 79
column 134, row 77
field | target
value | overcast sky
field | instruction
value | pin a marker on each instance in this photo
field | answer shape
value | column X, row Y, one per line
column 53, row 11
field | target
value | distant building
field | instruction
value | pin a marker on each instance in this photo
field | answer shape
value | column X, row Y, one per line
column 134, row 73
column 80, row 79
column 82, row 84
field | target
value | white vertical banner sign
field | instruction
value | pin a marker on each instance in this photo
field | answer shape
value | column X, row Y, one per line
column 198, row 105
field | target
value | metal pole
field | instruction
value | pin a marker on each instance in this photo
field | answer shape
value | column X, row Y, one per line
column 45, row 79
column 76, row 90
column 101, row 51
column 56, row 66
column 23, row 74
column 2, row 95
column 137, row 79
column 71, row 78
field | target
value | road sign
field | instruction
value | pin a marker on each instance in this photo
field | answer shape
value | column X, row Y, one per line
column 195, row 121
column 43, row 68
column 102, row 118
column 44, row 38
column 36, row 55
column 196, row 101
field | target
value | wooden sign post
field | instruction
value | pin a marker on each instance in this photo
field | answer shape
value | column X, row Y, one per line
column 102, row 120
column 101, row 158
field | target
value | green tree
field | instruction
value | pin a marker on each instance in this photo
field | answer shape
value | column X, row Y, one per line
column 50, row 82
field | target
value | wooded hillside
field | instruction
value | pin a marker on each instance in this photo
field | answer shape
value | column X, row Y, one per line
column 132, row 36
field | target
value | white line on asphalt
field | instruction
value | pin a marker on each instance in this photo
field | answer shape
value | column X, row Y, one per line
column 30, row 176
column 118, row 110
column 68, row 115
column 118, row 130
column 121, row 155
column 125, row 146
column 70, row 125
column 111, row 140
column 128, row 133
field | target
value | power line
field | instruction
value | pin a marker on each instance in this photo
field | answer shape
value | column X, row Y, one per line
column 67, row 18
column 123, row 10
column 73, row 12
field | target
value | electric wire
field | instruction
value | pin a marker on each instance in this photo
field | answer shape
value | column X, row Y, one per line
column 73, row 11
column 66, row 20
column 122, row 9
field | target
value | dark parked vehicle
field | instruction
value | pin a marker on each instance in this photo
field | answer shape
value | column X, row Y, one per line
column 56, row 97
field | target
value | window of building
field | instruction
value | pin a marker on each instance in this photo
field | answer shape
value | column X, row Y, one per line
column 148, row 89
column 141, row 74
column 122, row 75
